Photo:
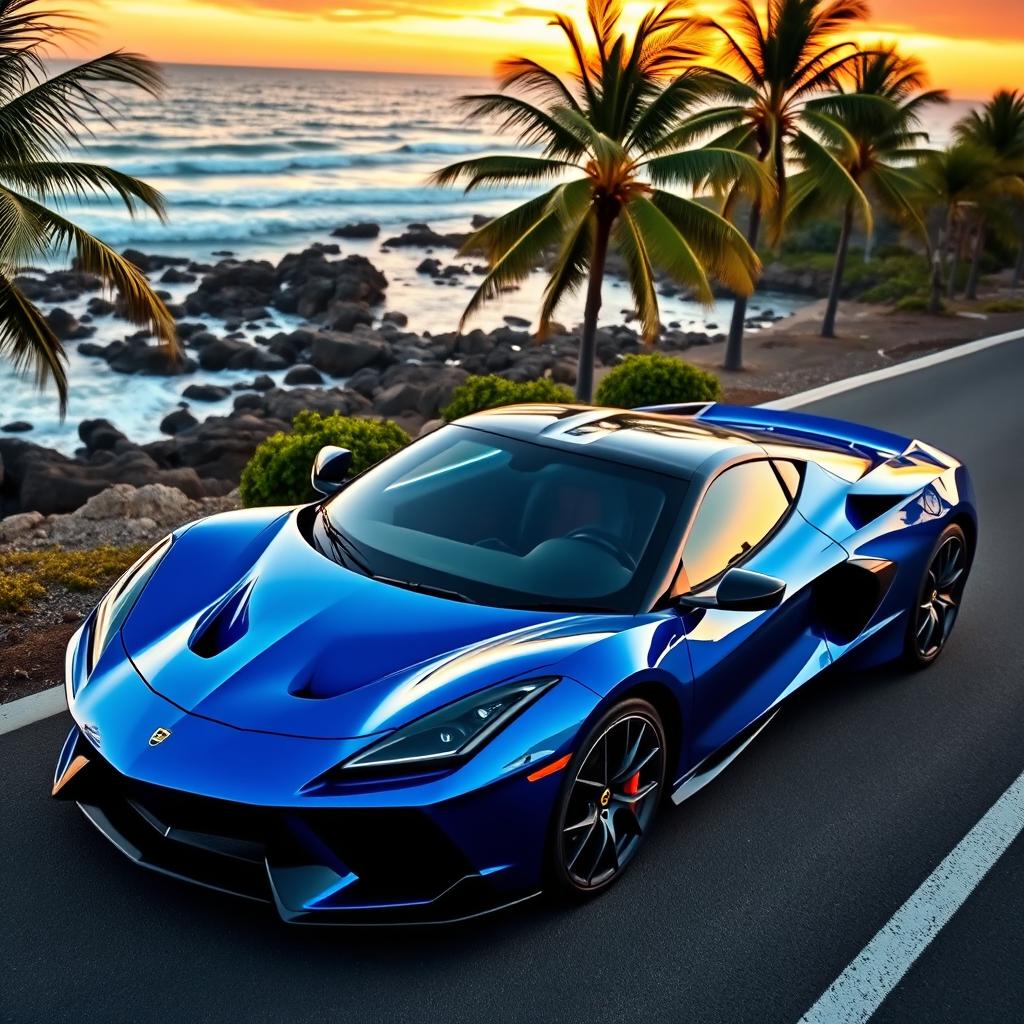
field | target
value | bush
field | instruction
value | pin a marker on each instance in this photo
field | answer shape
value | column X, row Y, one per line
column 477, row 393
column 916, row 303
column 278, row 472
column 656, row 380
column 1003, row 306
column 25, row 575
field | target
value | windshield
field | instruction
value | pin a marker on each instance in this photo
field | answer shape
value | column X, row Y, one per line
column 480, row 517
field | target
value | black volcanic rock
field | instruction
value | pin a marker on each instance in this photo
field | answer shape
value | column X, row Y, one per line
column 422, row 236
column 177, row 421
column 205, row 393
column 362, row 229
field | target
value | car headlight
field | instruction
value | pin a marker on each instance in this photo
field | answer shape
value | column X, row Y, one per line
column 113, row 609
column 454, row 731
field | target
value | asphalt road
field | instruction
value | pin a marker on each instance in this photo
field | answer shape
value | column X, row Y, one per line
column 746, row 903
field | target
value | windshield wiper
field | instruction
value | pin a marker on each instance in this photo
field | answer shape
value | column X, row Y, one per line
column 342, row 545
column 425, row 588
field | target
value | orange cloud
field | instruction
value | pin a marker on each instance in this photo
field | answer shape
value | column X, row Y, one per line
column 969, row 49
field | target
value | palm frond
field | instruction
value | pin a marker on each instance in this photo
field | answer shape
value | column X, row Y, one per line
column 28, row 341
column 569, row 270
column 44, row 119
column 69, row 179
column 140, row 304
column 499, row 170
column 532, row 77
column 717, row 242
column 667, row 249
column 517, row 242
column 831, row 175
column 710, row 167
column 629, row 240
column 531, row 124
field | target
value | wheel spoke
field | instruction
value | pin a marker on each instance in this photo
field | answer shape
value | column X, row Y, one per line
column 583, row 844
column 631, row 769
column 587, row 822
column 632, row 799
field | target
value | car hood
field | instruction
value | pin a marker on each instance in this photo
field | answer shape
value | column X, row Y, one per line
column 277, row 638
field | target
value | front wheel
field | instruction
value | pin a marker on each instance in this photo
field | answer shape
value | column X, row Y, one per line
column 939, row 596
column 612, row 789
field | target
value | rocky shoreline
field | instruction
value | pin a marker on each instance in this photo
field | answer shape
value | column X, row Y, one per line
column 348, row 357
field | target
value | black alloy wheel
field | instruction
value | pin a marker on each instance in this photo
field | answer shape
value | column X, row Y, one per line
column 613, row 787
column 941, row 593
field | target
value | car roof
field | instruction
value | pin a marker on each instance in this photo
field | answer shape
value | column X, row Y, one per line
column 673, row 445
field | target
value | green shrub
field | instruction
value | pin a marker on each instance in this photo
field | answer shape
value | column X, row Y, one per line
column 656, row 380
column 476, row 393
column 1003, row 306
column 26, row 575
column 278, row 472
column 916, row 303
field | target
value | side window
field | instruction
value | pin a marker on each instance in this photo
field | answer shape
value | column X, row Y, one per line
column 740, row 509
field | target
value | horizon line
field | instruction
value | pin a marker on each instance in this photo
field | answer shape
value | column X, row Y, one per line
column 367, row 71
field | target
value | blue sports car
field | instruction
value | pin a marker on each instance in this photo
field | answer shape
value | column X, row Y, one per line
column 477, row 670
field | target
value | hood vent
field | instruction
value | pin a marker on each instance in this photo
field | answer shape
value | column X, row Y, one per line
column 224, row 624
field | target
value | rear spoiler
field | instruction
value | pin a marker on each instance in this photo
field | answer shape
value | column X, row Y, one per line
column 879, row 445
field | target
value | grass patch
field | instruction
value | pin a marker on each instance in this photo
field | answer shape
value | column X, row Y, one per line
column 26, row 576
column 1003, row 306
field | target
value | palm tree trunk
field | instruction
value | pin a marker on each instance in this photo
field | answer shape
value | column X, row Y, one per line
column 979, row 246
column 734, row 346
column 1018, row 271
column 953, row 253
column 588, row 338
column 938, row 262
column 828, row 327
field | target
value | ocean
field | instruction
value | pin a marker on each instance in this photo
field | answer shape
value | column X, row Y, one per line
column 262, row 162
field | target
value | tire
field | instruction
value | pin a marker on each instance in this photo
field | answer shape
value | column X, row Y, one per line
column 608, row 800
column 939, row 596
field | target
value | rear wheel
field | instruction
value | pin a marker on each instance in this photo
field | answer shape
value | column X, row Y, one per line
column 611, row 792
column 938, row 604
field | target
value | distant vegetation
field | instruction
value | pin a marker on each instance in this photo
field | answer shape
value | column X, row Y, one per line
column 773, row 119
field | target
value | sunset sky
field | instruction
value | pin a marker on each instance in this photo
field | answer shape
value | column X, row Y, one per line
column 970, row 48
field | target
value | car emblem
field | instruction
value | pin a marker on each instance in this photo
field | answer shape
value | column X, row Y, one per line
column 159, row 736
column 606, row 798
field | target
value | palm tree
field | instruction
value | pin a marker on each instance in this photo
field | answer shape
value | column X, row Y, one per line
column 879, row 149
column 998, row 126
column 768, row 69
column 955, row 180
column 601, row 134
column 42, row 117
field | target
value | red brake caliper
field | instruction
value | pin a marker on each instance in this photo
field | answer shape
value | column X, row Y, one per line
column 632, row 785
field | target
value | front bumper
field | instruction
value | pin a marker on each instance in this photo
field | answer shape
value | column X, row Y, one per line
column 357, row 865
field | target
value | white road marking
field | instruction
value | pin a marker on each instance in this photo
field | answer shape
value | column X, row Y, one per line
column 34, row 708
column 838, row 387
column 860, row 989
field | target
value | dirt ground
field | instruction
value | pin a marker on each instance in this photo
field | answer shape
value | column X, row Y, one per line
column 791, row 356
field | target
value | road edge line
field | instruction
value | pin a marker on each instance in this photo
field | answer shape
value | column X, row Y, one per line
column 9, row 712
column 840, row 387
column 35, row 707
column 865, row 983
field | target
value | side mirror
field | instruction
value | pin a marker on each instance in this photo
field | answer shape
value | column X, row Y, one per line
column 740, row 590
column 330, row 468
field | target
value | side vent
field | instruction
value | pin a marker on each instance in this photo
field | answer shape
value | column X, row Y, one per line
column 862, row 509
column 224, row 624
column 847, row 597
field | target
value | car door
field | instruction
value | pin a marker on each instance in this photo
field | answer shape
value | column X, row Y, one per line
column 743, row 662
